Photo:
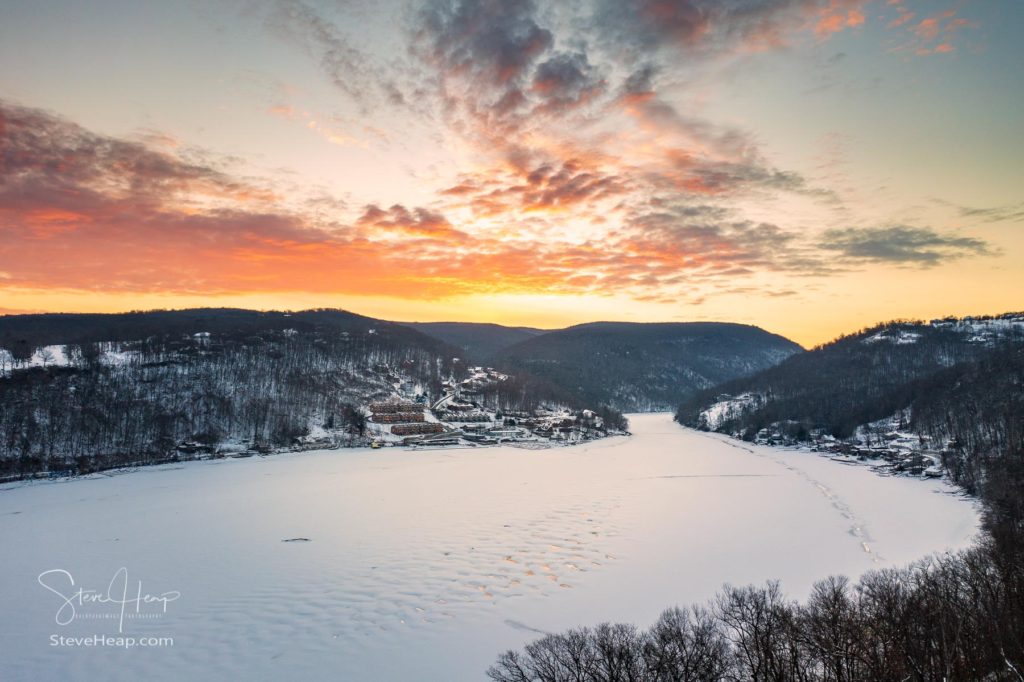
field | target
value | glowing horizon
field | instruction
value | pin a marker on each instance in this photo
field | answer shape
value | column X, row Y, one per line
column 807, row 166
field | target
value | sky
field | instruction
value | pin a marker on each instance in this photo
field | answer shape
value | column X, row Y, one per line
column 808, row 166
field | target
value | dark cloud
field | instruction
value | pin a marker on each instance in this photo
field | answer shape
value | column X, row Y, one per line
column 504, row 80
column 418, row 222
column 701, row 237
column 565, row 81
column 719, row 141
column 640, row 26
column 484, row 52
column 85, row 210
column 549, row 185
column 902, row 245
column 835, row 59
column 729, row 178
column 351, row 69
column 690, row 173
column 640, row 81
column 47, row 157
column 1013, row 213
column 494, row 42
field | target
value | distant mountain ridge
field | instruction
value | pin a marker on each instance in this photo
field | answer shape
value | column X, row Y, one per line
column 645, row 366
column 480, row 341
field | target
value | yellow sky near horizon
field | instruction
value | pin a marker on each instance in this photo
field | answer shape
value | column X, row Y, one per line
column 864, row 299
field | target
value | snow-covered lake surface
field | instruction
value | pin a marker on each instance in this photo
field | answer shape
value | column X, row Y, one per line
column 425, row 565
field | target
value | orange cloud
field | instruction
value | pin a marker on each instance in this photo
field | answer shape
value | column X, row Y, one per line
column 70, row 206
column 838, row 15
column 400, row 221
column 928, row 29
column 904, row 17
column 931, row 35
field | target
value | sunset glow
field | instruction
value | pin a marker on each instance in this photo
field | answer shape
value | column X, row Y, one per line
column 808, row 166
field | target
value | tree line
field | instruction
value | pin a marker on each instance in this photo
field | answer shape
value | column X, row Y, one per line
column 957, row 616
column 262, row 389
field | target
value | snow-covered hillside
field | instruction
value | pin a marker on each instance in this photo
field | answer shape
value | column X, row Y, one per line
column 728, row 407
column 62, row 355
column 979, row 330
column 984, row 329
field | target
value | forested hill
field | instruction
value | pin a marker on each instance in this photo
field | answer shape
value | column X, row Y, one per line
column 480, row 342
column 638, row 366
column 21, row 335
column 961, row 380
column 86, row 392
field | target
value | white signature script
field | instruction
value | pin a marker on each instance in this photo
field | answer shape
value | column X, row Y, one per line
column 62, row 584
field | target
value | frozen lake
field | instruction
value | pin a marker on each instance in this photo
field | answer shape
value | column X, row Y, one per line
column 425, row 565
